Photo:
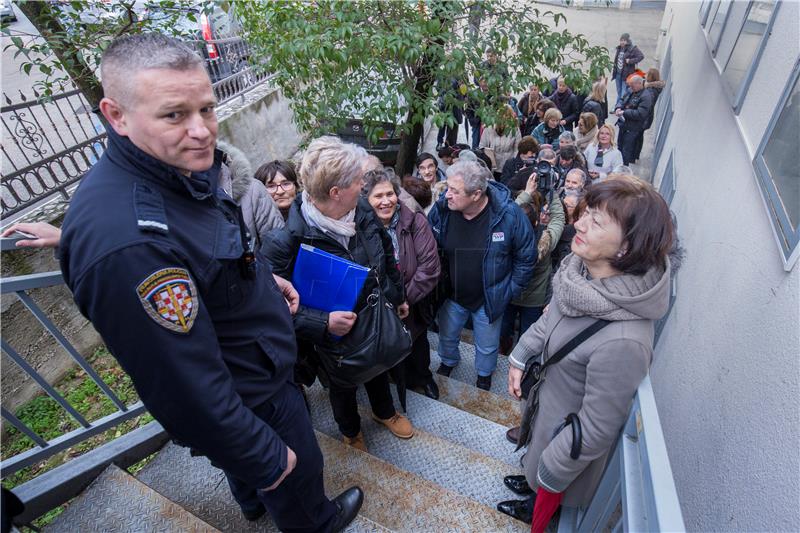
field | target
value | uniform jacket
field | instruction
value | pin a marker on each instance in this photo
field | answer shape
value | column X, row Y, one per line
column 152, row 258
column 371, row 246
column 258, row 209
column 636, row 110
column 632, row 56
column 597, row 380
column 510, row 247
column 419, row 262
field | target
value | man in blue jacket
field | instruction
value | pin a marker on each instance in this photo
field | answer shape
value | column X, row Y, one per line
column 158, row 257
column 490, row 251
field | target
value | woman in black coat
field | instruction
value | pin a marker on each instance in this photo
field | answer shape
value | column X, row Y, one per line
column 567, row 103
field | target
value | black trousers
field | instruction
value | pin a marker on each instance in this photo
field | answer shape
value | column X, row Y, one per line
column 418, row 363
column 299, row 503
column 345, row 405
column 627, row 143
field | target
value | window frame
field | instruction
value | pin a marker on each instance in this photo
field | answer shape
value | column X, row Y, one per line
column 788, row 241
column 666, row 73
column 705, row 14
column 663, row 129
column 669, row 170
column 737, row 95
column 714, row 46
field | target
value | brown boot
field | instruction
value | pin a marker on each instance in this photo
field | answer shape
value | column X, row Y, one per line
column 399, row 425
column 357, row 442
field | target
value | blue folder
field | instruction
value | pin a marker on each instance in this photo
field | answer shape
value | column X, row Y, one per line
column 327, row 282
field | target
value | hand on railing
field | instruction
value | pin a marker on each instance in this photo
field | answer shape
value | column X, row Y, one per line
column 37, row 234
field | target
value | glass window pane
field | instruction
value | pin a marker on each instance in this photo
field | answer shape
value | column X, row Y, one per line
column 719, row 20
column 746, row 47
column 710, row 15
column 780, row 156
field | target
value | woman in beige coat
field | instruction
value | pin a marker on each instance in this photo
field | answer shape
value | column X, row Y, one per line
column 619, row 271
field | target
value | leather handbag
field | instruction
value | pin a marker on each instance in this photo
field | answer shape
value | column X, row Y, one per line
column 377, row 342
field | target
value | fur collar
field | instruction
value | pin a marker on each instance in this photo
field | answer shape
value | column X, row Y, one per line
column 238, row 182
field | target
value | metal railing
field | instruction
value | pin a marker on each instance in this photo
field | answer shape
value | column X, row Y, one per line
column 637, row 491
column 19, row 286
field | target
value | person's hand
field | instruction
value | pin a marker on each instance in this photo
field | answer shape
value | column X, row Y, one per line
column 291, row 462
column 44, row 234
column 341, row 322
column 543, row 248
column 289, row 293
column 515, row 382
column 594, row 174
column 619, row 112
column 563, row 122
column 403, row 310
column 530, row 185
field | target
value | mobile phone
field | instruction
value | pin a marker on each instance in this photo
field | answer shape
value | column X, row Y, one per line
column 22, row 234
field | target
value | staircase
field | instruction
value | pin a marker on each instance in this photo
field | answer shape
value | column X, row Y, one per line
column 448, row 477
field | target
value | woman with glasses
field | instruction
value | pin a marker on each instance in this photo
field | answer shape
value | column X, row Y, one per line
column 602, row 155
column 280, row 180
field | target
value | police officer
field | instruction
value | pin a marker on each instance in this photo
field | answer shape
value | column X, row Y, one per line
column 158, row 258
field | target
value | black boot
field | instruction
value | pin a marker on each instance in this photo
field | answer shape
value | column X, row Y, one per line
column 348, row 504
column 518, row 484
column 431, row 389
column 519, row 509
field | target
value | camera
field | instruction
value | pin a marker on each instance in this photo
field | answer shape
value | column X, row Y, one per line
column 546, row 178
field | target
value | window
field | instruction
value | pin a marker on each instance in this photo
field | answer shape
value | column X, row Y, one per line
column 667, row 187
column 718, row 24
column 661, row 322
column 749, row 45
column 666, row 74
column 777, row 170
column 663, row 129
column 708, row 13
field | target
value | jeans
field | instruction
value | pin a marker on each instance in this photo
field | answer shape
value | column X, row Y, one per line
column 527, row 317
column 622, row 90
column 448, row 135
column 452, row 319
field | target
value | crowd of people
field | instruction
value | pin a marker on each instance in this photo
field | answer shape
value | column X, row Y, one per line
column 526, row 236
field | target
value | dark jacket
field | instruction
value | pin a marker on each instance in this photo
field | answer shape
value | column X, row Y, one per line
column 528, row 121
column 511, row 167
column 371, row 246
column 419, row 263
column 637, row 107
column 567, row 103
column 510, row 248
column 631, row 56
column 654, row 88
column 544, row 135
column 593, row 106
column 152, row 258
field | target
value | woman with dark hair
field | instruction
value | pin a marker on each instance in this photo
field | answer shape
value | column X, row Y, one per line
column 527, row 108
column 417, row 258
column 420, row 190
column 566, row 102
column 618, row 272
column 280, row 180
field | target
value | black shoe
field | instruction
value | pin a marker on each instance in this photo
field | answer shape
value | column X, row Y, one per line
column 444, row 370
column 518, row 484
column 254, row 514
column 484, row 382
column 512, row 435
column 431, row 389
column 519, row 509
column 348, row 504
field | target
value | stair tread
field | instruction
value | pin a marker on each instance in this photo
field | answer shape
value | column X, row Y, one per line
column 404, row 501
column 465, row 371
column 426, row 454
column 116, row 501
column 485, row 404
column 200, row 487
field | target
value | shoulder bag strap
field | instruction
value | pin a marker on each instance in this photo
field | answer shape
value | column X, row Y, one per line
column 576, row 341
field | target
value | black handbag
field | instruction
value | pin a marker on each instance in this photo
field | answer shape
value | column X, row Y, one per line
column 377, row 342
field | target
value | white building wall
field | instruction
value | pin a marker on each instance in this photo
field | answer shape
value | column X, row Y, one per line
column 727, row 366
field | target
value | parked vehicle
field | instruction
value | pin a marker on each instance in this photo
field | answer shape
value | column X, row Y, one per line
column 7, row 11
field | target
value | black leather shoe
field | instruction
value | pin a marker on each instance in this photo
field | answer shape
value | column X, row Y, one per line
column 484, row 382
column 519, row 509
column 445, row 370
column 431, row 389
column 518, row 484
column 348, row 504
column 512, row 435
column 254, row 514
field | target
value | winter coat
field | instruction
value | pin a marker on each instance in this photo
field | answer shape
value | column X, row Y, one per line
column 597, row 380
column 593, row 106
column 511, row 167
column 612, row 160
column 582, row 141
column 504, row 146
column 528, row 121
column 655, row 88
column 535, row 292
column 371, row 246
column 567, row 103
column 419, row 263
column 259, row 211
column 636, row 110
column 510, row 247
column 545, row 135
column 632, row 56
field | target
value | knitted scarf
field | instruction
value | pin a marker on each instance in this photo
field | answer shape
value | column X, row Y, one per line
column 340, row 230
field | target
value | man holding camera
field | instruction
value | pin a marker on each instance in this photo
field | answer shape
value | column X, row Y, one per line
column 526, row 157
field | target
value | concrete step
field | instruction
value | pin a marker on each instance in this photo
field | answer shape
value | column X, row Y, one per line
column 465, row 371
column 200, row 487
column 427, row 454
column 499, row 409
column 116, row 501
column 403, row 501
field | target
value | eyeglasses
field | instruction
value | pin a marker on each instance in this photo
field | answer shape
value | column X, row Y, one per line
column 285, row 185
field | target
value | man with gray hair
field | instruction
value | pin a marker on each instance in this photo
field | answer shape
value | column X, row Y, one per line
column 633, row 113
column 490, row 252
column 158, row 257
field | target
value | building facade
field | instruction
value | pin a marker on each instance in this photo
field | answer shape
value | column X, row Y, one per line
column 727, row 362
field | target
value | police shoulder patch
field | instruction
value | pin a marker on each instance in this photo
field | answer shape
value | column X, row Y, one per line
column 170, row 298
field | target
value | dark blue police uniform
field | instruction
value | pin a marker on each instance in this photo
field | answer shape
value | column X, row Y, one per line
column 156, row 260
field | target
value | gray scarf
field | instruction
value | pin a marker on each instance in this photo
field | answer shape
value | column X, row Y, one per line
column 340, row 230
column 391, row 229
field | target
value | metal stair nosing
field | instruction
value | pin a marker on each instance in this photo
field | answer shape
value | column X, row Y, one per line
column 500, row 409
column 117, row 501
column 465, row 371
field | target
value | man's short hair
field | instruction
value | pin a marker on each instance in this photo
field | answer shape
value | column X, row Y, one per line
column 129, row 54
column 567, row 135
column 527, row 144
column 580, row 173
column 423, row 156
column 547, row 154
column 568, row 152
column 475, row 176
